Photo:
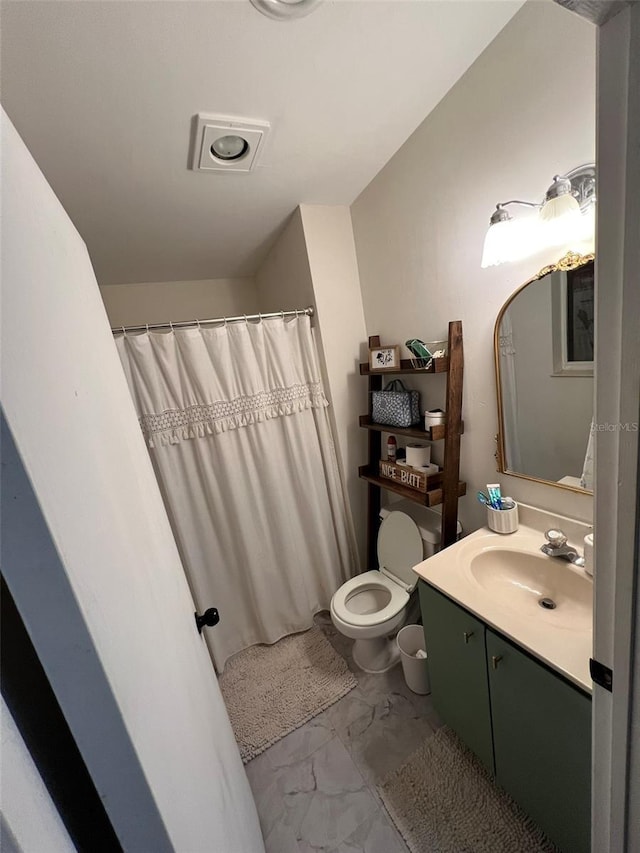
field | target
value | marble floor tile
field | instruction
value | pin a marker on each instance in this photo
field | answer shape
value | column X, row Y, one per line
column 375, row 835
column 266, row 769
column 301, row 742
column 350, row 707
column 317, row 799
column 382, row 738
column 297, row 745
column 325, row 797
column 315, row 789
column 281, row 839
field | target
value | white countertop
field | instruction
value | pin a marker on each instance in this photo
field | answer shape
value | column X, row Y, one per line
column 566, row 648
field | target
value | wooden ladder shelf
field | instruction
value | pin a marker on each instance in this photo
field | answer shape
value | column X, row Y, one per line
column 443, row 489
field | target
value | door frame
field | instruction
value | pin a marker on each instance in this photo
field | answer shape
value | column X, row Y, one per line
column 616, row 715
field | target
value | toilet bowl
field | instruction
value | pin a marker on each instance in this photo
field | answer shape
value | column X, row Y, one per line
column 373, row 606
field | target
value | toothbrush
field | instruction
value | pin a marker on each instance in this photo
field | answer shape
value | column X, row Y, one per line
column 494, row 495
column 483, row 499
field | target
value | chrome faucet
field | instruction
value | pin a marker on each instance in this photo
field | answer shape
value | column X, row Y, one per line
column 556, row 546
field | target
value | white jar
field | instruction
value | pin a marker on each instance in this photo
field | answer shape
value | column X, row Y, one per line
column 434, row 418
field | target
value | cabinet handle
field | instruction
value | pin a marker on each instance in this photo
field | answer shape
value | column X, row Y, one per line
column 495, row 660
column 467, row 636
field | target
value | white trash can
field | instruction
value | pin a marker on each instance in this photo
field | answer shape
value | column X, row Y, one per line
column 410, row 641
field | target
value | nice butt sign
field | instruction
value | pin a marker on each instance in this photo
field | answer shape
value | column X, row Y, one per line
column 411, row 478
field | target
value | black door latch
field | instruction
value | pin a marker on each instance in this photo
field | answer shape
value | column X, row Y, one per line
column 209, row 618
column 601, row 674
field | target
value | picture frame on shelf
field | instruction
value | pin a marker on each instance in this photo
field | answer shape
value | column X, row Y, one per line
column 384, row 358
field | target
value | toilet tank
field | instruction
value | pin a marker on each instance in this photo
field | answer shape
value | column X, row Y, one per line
column 428, row 521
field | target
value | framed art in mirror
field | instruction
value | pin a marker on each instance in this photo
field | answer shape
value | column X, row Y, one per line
column 543, row 350
column 572, row 319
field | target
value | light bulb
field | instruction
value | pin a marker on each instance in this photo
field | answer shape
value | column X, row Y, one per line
column 560, row 220
column 498, row 244
column 511, row 240
column 230, row 147
column 559, row 206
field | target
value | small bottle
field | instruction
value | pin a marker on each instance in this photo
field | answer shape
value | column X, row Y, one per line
column 392, row 446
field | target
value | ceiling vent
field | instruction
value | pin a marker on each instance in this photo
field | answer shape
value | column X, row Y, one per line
column 222, row 144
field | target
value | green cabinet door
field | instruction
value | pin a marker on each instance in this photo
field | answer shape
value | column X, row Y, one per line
column 458, row 670
column 542, row 743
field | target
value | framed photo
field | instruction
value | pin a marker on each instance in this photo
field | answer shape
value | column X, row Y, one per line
column 384, row 358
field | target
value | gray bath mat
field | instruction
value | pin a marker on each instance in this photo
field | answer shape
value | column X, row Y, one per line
column 271, row 690
column 442, row 800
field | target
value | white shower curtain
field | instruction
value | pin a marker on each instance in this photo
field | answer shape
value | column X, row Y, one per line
column 235, row 418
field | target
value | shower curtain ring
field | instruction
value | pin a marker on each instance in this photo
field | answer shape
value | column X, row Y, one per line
column 124, row 332
column 147, row 327
column 282, row 314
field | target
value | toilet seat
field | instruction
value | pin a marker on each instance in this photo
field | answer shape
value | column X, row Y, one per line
column 373, row 580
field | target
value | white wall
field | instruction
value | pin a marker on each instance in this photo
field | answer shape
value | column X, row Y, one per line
column 175, row 301
column 89, row 555
column 284, row 279
column 314, row 263
column 524, row 111
column 334, row 273
column 30, row 820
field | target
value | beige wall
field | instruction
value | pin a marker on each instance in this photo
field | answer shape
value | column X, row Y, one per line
column 340, row 320
column 175, row 301
column 314, row 263
column 283, row 282
column 524, row 111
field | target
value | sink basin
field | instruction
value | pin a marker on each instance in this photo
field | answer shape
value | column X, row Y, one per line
column 538, row 586
column 503, row 580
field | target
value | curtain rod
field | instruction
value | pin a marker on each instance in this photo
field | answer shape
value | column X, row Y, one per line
column 190, row 323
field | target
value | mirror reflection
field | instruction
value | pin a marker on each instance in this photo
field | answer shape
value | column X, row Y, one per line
column 544, row 376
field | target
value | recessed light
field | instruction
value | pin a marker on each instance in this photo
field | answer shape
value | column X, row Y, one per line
column 225, row 144
column 285, row 10
column 230, row 147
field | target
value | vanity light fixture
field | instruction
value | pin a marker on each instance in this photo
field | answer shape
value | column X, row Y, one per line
column 285, row 10
column 565, row 216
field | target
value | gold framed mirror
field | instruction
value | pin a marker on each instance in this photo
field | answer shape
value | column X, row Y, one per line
column 543, row 356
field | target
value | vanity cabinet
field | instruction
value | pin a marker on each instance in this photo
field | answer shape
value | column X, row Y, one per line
column 457, row 670
column 542, row 743
column 530, row 727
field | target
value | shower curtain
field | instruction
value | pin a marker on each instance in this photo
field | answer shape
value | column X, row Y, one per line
column 236, row 423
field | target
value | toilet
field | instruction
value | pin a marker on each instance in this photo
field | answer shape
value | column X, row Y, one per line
column 373, row 606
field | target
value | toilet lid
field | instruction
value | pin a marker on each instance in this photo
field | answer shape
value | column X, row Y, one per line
column 400, row 547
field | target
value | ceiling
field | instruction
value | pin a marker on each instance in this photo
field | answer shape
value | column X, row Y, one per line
column 104, row 93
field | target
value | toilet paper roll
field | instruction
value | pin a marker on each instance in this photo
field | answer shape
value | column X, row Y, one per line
column 418, row 455
column 430, row 469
